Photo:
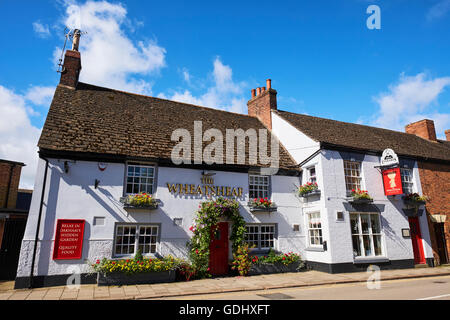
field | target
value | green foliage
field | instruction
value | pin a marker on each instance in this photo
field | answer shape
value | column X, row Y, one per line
column 208, row 217
column 242, row 261
column 138, row 256
column 272, row 257
column 307, row 188
column 131, row 266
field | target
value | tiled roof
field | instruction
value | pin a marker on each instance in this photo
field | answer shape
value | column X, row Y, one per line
column 98, row 120
column 356, row 136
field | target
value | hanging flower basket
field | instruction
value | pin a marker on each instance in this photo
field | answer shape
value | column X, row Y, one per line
column 262, row 205
column 308, row 189
column 414, row 200
column 360, row 197
column 139, row 201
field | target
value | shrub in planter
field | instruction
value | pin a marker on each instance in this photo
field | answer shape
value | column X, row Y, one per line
column 276, row 263
column 307, row 188
column 260, row 203
column 242, row 261
column 136, row 270
column 415, row 199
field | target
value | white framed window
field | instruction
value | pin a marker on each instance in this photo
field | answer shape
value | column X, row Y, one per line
column 261, row 236
column 132, row 237
column 258, row 186
column 407, row 180
column 314, row 229
column 352, row 172
column 366, row 234
column 312, row 175
column 140, row 178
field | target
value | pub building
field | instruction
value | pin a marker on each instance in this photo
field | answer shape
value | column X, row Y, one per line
column 99, row 145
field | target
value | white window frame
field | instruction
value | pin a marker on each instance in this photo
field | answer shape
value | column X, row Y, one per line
column 259, row 232
column 351, row 176
column 139, row 183
column 371, row 235
column 405, row 181
column 310, row 177
column 137, row 235
column 318, row 220
column 257, row 183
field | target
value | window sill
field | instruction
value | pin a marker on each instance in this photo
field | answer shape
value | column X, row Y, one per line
column 315, row 249
column 370, row 260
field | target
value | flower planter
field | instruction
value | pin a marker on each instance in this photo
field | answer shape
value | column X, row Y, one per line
column 412, row 212
column 127, row 205
column 310, row 194
column 412, row 203
column 262, row 209
column 360, row 201
column 120, row 278
column 278, row 267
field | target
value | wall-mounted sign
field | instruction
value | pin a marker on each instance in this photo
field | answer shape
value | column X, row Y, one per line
column 206, row 188
column 68, row 239
column 392, row 181
column 389, row 158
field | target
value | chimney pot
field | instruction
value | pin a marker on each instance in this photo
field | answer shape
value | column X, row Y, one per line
column 447, row 134
column 269, row 84
column 258, row 91
column 253, row 93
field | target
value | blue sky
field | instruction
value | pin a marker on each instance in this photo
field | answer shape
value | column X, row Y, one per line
column 320, row 55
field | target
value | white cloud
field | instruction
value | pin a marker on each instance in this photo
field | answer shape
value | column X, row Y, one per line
column 438, row 10
column 413, row 98
column 19, row 137
column 40, row 95
column 41, row 30
column 221, row 92
column 109, row 57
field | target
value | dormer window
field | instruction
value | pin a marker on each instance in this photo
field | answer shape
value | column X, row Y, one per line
column 140, row 178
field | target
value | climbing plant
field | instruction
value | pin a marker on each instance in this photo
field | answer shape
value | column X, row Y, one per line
column 206, row 221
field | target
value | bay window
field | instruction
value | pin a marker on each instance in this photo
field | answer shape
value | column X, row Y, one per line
column 366, row 234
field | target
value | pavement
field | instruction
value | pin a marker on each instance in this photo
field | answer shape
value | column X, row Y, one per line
column 209, row 286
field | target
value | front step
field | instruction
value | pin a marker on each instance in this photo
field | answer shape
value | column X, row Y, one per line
column 422, row 265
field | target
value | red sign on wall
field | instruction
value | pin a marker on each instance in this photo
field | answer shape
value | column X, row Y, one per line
column 392, row 181
column 68, row 239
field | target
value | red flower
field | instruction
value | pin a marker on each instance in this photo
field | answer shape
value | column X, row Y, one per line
column 98, row 261
column 196, row 251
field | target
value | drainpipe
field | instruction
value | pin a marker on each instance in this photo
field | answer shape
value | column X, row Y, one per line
column 36, row 238
column 11, row 172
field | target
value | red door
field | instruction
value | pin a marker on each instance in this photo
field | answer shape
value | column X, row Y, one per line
column 416, row 238
column 218, row 250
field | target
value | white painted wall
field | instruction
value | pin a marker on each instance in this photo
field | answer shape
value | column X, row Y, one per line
column 72, row 195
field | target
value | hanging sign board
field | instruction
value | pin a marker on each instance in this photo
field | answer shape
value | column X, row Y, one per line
column 68, row 239
column 392, row 181
column 389, row 158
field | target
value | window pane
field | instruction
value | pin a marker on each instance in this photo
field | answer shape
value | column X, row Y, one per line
column 377, row 245
column 374, row 221
column 356, row 246
column 354, row 223
column 365, row 223
column 367, row 246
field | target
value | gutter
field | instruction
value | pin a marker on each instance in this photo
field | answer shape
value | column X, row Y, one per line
column 11, row 172
column 36, row 238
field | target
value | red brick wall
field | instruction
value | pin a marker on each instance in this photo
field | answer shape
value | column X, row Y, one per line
column 5, row 174
column 71, row 70
column 423, row 128
column 435, row 181
column 261, row 106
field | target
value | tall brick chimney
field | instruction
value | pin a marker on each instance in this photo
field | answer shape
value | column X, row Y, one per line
column 447, row 134
column 423, row 128
column 261, row 103
column 72, row 63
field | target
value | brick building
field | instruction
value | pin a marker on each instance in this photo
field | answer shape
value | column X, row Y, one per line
column 435, row 179
column 14, row 204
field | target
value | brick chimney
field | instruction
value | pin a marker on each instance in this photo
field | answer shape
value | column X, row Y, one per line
column 447, row 134
column 423, row 128
column 72, row 63
column 264, row 99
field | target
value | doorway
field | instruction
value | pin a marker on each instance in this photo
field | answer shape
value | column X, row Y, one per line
column 10, row 247
column 416, row 238
column 218, row 250
column 441, row 242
